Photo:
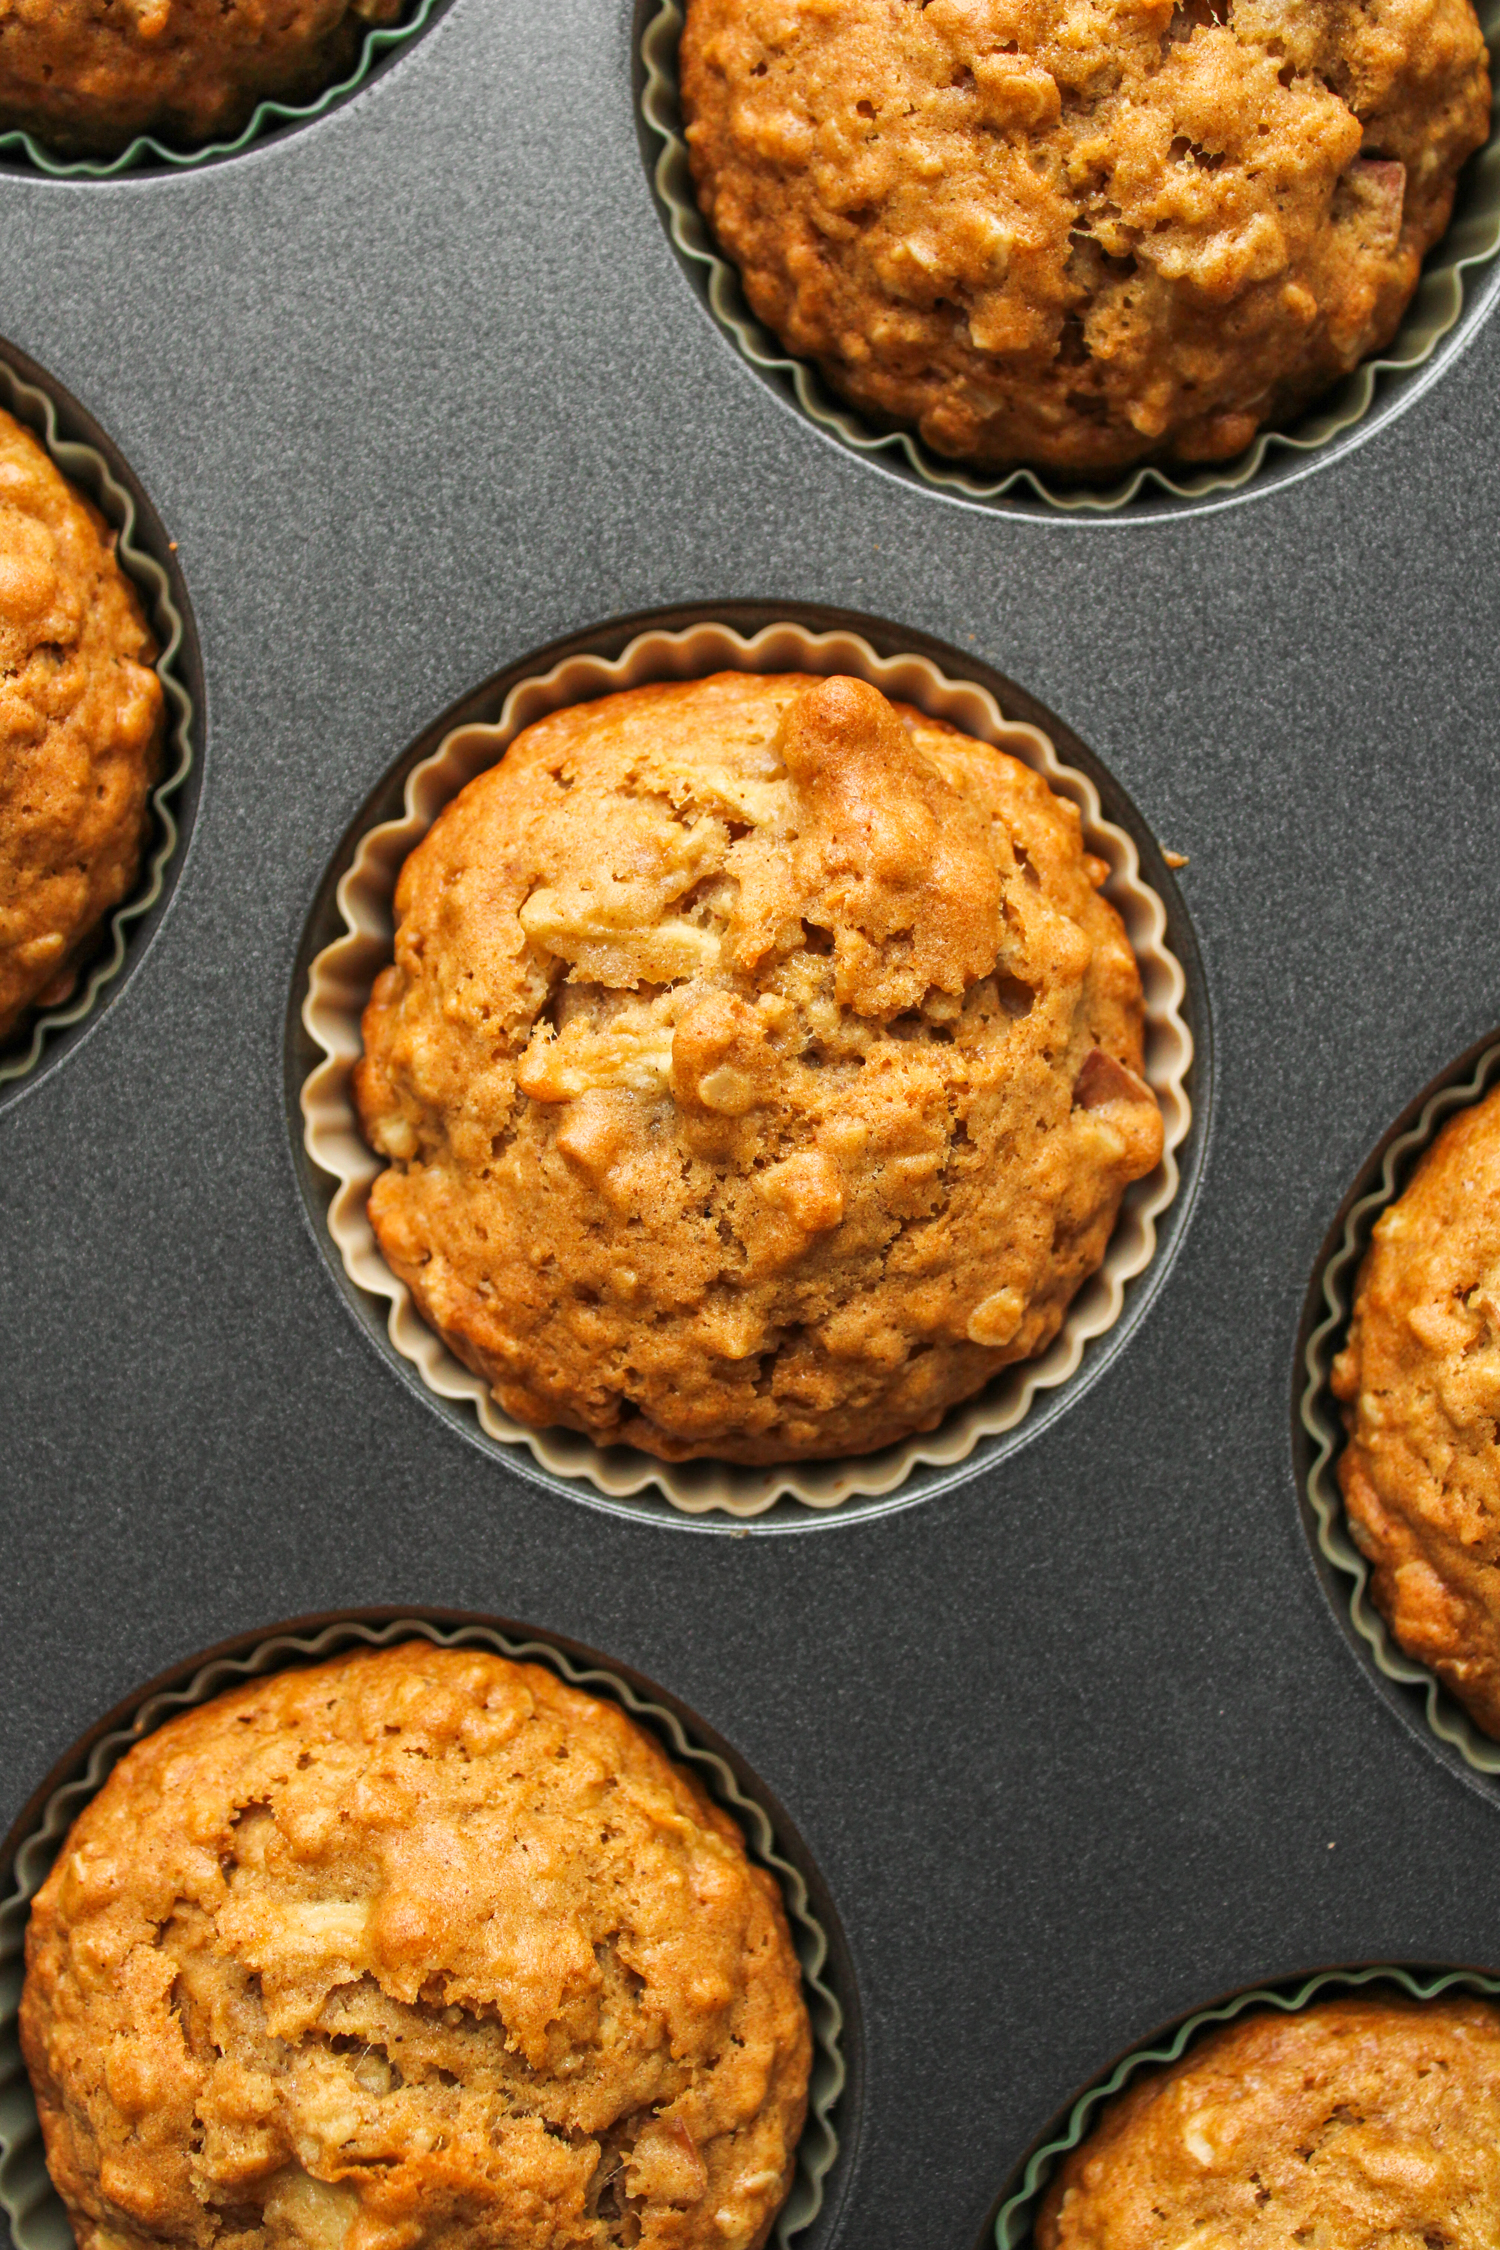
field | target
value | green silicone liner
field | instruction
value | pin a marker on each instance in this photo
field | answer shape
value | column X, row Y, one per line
column 87, row 468
column 1471, row 241
column 379, row 41
column 1323, row 1422
column 27, row 2197
column 1018, row 2213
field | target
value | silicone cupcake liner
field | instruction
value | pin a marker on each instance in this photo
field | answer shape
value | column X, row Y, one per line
column 1322, row 1420
column 87, row 468
column 1471, row 241
column 1018, row 2213
column 267, row 117
column 27, row 2197
column 343, row 972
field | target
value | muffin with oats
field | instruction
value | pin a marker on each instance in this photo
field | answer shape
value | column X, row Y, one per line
column 87, row 76
column 1349, row 2123
column 1081, row 236
column 1419, row 1380
column 416, row 1946
column 80, row 729
column 759, row 1070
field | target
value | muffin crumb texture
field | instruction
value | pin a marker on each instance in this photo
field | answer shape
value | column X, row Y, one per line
column 87, row 76
column 1349, row 2124
column 80, row 728
column 1420, row 1384
column 418, row 1946
column 759, row 1069
column 1081, row 236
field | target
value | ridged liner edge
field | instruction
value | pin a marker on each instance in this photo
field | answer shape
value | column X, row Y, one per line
column 27, row 2197
column 342, row 974
column 1436, row 306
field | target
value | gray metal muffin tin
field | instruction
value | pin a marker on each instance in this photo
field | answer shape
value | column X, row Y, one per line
column 1076, row 1744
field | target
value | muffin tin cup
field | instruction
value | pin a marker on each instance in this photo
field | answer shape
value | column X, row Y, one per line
column 86, row 466
column 342, row 974
column 1014, row 2224
column 267, row 117
column 1419, row 1695
column 1375, row 389
column 37, row 2218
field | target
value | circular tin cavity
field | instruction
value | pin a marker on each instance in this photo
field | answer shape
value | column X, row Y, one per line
column 1423, row 1705
column 378, row 46
column 825, row 2154
column 88, row 458
column 1459, row 284
column 347, row 941
column 1011, row 2222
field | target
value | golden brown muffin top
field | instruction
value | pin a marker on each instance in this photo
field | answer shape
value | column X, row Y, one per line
column 1420, row 1382
column 757, row 1069
column 80, row 726
column 1353, row 2123
column 87, row 76
column 418, row 1945
column 1081, row 233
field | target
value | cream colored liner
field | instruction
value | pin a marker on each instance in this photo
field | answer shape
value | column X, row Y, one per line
column 37, row 2218
column 1323, row 1421
column 343, row 973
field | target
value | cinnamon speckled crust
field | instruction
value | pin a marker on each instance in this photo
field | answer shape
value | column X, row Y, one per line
column 418, row 1946
column 757, row 1069
column 80, row 727
column 1081, row 233
column 86, row 76
column 1420, row 1383
column 1361, row 2124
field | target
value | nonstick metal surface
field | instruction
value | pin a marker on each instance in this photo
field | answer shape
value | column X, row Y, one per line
column 1077, row 1744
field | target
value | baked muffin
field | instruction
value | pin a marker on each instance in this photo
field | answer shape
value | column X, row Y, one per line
column 1420, row 1384
column 80, row 728
column 758, row 1069
column 1081, row 236
column 419, row 1946
column 87, row 76
column 1351, row 2123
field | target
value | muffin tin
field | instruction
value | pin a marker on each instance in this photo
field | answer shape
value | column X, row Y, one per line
column 420, row 389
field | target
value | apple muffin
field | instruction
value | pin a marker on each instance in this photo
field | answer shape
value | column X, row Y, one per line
column 87, row 76
column 1350, row 2123
column 1419, row 1380
column 80, row 728
column 416, row 1946
column 759, row 1069
column 1081, row 237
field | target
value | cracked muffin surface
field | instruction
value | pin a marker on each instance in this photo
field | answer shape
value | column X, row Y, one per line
column 1347, row 2124
column 87, row 76
column 80, row 728
column 758, row 1069
column 417, row 1945
column 1419, row 1380
column 1081, row 234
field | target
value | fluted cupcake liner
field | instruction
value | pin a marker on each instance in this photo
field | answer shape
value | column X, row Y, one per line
column 37, row 2218
column 86, row 467
column 343, row 973
column 1018, row 2213
column 1470, row 242
column 1390, row 1169
column 267, row 117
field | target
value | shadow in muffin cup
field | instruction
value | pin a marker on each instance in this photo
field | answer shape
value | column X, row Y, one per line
column 1011, row 2223
column 88, row 459
column 349, row 938
column 1419, row 1699
column 1452, row 297
column 269, row 120
column 825, row 2152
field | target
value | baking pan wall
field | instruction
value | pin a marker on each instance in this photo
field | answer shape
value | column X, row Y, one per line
column 1076, row 1746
